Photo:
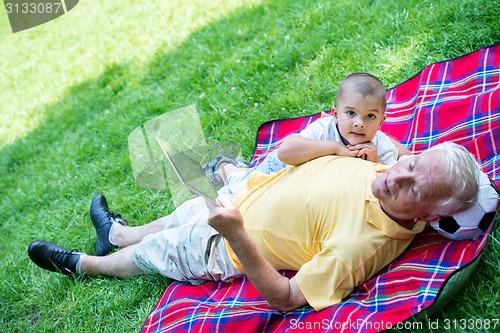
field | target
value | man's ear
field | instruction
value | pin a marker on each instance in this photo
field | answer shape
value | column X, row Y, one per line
column 428, row 218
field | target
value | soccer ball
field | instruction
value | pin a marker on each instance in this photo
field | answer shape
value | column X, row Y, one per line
column 474, row 221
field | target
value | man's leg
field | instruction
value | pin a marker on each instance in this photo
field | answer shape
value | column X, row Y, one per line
column 119, row 264
column 56, row 259
column 124, row 236
column 164, row 251
column 112, row 231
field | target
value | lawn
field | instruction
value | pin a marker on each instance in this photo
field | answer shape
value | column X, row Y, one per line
column 73, row 89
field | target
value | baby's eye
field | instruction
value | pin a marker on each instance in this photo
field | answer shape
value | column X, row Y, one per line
column 350, row 113
column 371, row 116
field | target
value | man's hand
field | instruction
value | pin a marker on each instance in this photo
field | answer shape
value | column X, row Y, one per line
column 225, row 218
column 366, row 151
column 280, row 292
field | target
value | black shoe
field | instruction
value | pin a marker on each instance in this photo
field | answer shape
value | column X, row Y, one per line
column 53, row 258
column 103, row 219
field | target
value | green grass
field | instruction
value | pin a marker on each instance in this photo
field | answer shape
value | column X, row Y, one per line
column 73, row 89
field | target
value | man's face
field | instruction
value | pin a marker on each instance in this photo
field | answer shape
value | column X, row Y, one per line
column 410, row 189
column 359, row 118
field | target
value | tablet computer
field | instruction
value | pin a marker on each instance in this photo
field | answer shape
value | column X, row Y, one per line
column 189, row 172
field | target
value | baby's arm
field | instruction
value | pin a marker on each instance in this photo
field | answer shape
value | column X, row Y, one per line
column 296, row 149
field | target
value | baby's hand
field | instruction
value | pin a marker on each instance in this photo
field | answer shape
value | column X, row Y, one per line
column 345, row 151
column 366, row 151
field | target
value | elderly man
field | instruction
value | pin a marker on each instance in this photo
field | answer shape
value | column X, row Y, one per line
column 335, row 220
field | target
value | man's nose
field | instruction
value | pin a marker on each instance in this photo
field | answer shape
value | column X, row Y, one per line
column 402, row 178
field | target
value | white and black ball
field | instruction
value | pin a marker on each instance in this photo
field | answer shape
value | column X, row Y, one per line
column 474, row 221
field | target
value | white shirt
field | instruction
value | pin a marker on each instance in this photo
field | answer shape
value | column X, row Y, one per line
column 325, row 129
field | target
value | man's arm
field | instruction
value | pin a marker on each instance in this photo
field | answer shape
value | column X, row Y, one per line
column 296, row 149
column 280, row 292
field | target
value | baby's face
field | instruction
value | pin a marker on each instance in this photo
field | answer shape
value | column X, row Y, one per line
column 359, row 118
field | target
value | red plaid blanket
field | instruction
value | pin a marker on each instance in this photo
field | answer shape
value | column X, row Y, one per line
column 456, row 100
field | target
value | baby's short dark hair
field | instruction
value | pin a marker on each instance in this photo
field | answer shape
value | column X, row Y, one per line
column 364, row 84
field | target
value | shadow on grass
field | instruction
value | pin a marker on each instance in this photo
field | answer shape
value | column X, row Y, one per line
column 276, row 60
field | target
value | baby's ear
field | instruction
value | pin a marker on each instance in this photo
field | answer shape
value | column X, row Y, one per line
column 384, row 117
column 328, row 114
column 334, row 113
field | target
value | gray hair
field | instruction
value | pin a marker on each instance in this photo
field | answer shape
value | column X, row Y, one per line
column 462, row 174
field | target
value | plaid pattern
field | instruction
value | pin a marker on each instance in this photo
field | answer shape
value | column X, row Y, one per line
column 456, row 100
column 402, row 289
column 271, row 134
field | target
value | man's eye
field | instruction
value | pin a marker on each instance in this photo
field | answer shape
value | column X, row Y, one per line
column 414, row 191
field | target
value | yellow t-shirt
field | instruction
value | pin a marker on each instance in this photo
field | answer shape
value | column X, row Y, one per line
column 322, row 220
